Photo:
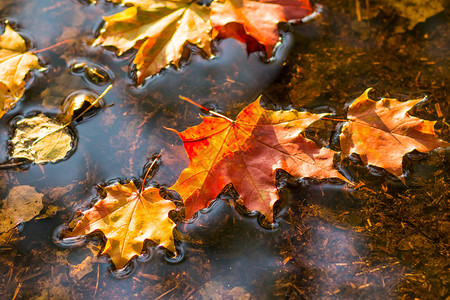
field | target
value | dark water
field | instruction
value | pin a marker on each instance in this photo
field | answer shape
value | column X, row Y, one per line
column 384, row 240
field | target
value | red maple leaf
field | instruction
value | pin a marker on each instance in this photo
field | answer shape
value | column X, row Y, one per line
column 247, row 153
column 255, row 22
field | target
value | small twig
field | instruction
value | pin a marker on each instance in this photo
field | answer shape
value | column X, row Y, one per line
column 98, row 276
column 162, row 295
column 209, row 111
column 16, row 292
column 53, row 46
column 10, row 165
column 68, row 123
column 11, row 271
column 149, row 169
column 190, row 293
column 358, row 11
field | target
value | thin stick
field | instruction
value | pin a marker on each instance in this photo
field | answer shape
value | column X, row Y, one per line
column 98, row 276
column 162, row 295
column 209, row 111
column 358, row 11
column 68, row 123
column 17, row 290
column 149, row 169
column 10, row 165
column 95, row 102
column 53, row 46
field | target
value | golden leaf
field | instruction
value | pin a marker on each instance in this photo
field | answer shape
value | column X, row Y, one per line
column 41, row 139
column 127, row 218
column 15, row 63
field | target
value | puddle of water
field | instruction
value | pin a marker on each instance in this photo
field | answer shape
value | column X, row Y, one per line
column 331, row 241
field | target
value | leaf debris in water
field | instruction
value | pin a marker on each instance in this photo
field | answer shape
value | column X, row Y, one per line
column 41, row 139
column 22, row 204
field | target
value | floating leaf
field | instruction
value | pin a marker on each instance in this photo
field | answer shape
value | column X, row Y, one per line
column 255, row 22
column 127, row 218
column 247, row 152
column 15, row 63
column 41, row 139
column 382, row 132
column 160, row 30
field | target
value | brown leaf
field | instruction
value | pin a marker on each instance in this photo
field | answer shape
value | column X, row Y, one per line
column 22, row 204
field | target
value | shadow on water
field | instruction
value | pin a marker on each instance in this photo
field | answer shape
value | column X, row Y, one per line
column 330, row 241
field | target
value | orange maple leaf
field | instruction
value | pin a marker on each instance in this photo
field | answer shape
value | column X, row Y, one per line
column 15, row 63
column 381, row 132
column 160, row 30
column 255, row 22
column 127, row 218
column 247, row 152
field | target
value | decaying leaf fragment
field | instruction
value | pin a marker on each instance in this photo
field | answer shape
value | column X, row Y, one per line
column 127, row 218
column 15, row 63
column 382, row 132
column 247, row 152
column 22, row 204
column 160, row 30
column 41, row 139
column 417, row 11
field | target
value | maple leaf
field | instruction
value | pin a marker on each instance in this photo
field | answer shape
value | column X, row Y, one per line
column 15, row 63
column 247, row 152
column 160, row 29
column 381, row 132
column 255, row 22
column 127, row 218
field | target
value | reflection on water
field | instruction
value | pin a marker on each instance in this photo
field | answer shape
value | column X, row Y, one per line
column 331, row 241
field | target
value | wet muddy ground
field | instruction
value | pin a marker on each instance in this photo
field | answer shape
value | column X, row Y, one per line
column 383, row 239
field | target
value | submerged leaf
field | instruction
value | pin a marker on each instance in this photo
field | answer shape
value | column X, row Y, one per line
column 417, row 11
column 22, row 204
column 15, row 63
column 41, row 139
column 382, row 132
column 127, row 218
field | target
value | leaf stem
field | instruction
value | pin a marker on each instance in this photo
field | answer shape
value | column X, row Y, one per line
column 52, row 46
column 337, row 120
column 93, row 103
column 149, row 169
column 68, row 123
column 204, row 108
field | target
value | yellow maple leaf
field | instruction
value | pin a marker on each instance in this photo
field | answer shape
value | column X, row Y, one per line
column 15, row 63
column 160, row 30
column 127, row 218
